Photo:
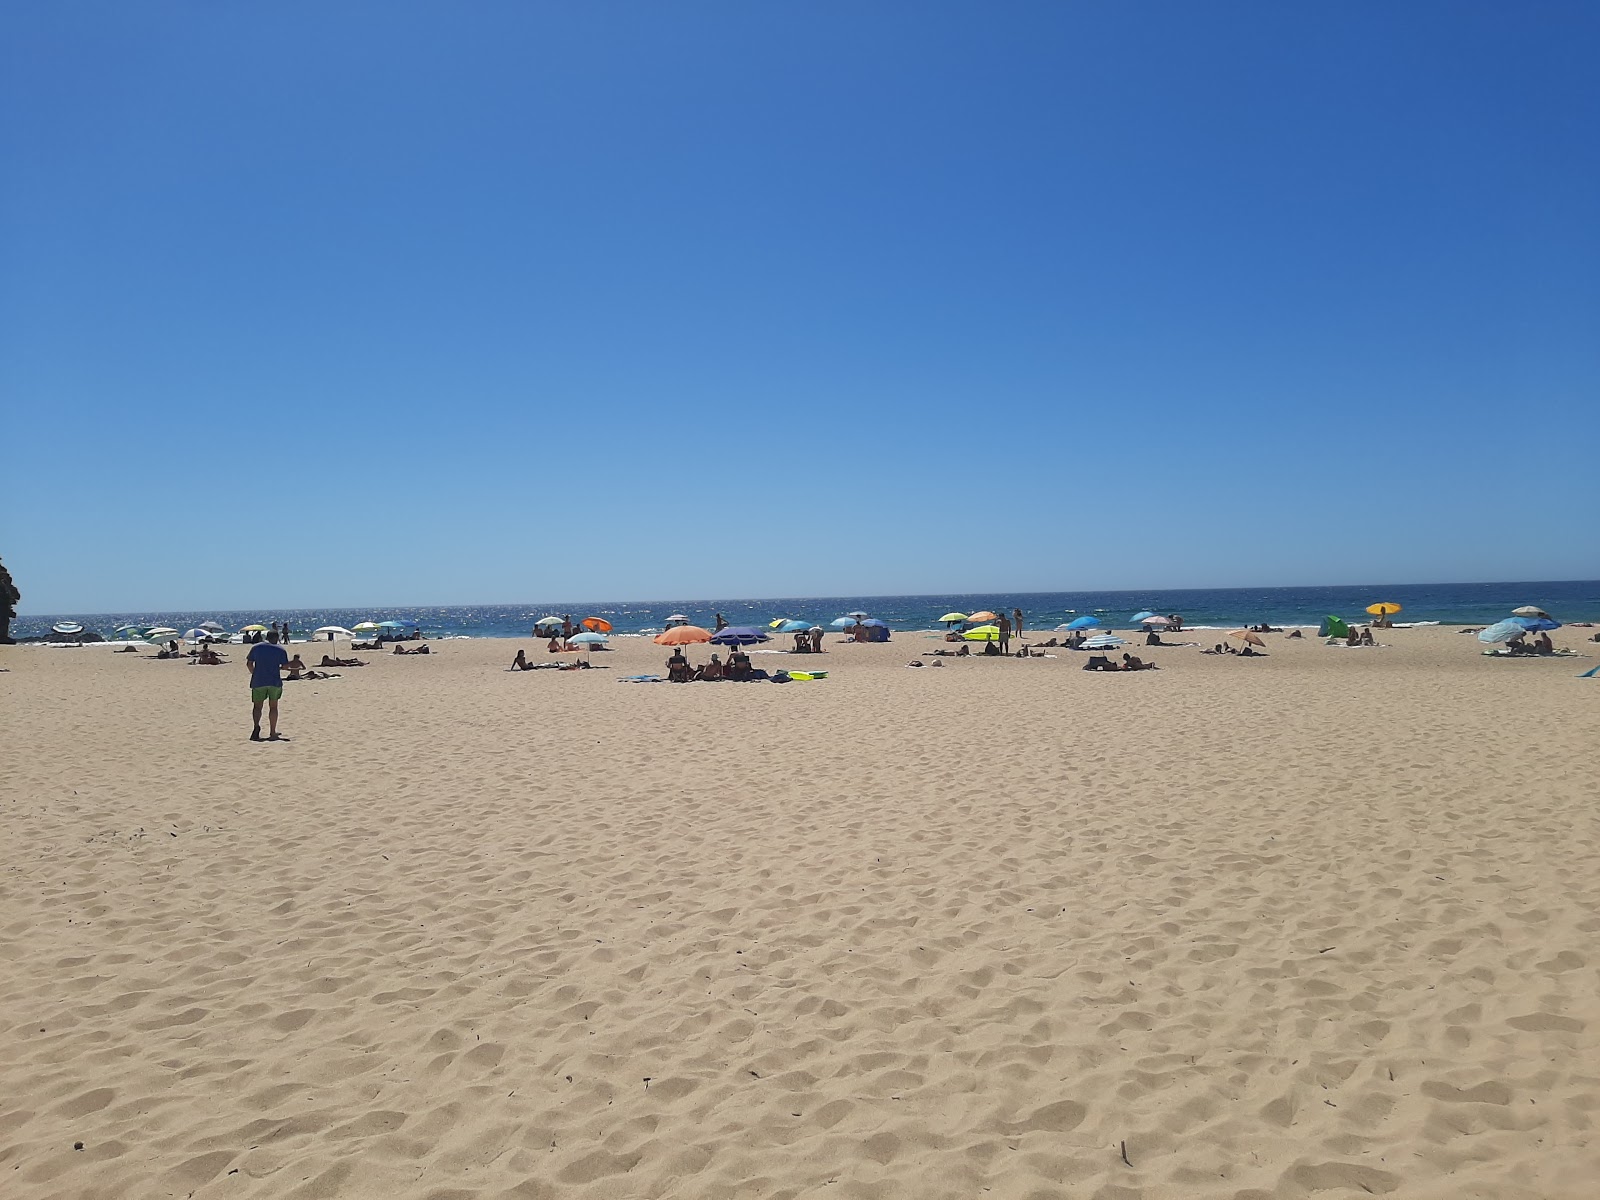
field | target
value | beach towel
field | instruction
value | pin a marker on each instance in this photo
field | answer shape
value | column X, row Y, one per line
column 642, row 679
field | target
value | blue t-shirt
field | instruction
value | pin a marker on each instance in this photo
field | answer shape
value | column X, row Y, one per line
column 266, row 660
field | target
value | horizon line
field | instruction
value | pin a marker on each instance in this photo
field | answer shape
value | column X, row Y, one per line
column 835, row 596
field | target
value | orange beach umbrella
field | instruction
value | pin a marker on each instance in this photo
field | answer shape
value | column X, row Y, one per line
column 1244, row 635
column 597, row 624
column 985, row 615
column 682, row 635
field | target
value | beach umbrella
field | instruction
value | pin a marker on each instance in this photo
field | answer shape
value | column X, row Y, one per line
column 540, row 622
column 392, row 624
column 161, row 631
column 1528, row 610
column 779, row 622
column 677, row 617
column 874, row 623
column 254, row 629
column 213, row 626
column 1081, row 623
column 793, row 627
column 128, row 629
column 1103, row 641
column 590, row 639
column 738, row 635
column 596, row 625
column 1503, row 631
column 194, row 635
column 1244, row 635
column 336, row 630
column 953, row 618
column 1383, row 608
column 983, row 633
column 1139, row 617
column 1537, row 624
column 980, row 617
column 842, row 622
column 683, row 635
column 860, row 616
column 366, row 626
column 1156, row 621
column 67, row 627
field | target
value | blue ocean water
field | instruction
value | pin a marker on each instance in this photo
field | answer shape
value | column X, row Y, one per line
column 1448, row 604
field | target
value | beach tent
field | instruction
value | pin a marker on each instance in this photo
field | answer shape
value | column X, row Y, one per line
column 1503, row 631
column 1333, row 626
column 877, row 631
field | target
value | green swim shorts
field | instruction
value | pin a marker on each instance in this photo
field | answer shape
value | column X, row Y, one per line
column 267, row 693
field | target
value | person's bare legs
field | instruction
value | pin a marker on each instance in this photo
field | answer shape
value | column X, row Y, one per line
column 272, row 720
column 255, row 719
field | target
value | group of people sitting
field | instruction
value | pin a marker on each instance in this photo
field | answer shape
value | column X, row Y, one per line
column 1100, row 662
column 1245, row 651
column 737, row 669
column 1359, row 637
column 1540, row 645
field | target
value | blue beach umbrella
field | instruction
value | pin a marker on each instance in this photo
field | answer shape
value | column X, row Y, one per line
column 739, row 635
column 842, row 622
column 1082, row 623
column 794, row 626
column 1140, row 616
column 1502, row 631
column 1104, row 641
column 1537, row 624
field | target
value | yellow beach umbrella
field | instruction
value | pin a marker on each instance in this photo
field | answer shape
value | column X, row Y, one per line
column 365, row 625
column 983, row 633
column 1383, row 608
column 254, row 629
column 779, row 621
column 953, row 617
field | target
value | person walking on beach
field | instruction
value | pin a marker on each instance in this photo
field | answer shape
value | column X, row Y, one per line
column 1005, row 635
column 266, row 662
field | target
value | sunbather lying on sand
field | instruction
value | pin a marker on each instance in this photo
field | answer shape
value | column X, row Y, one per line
column 329, row 661
column 418, row 650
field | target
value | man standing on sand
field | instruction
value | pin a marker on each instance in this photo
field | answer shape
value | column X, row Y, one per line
column 1005, row 634
column 1016, row 621
column 266, row 662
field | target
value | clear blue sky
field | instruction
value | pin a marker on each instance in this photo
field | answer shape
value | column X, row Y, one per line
column 654, row 300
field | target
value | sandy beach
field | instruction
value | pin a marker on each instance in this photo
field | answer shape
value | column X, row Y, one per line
column 1322, row 923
